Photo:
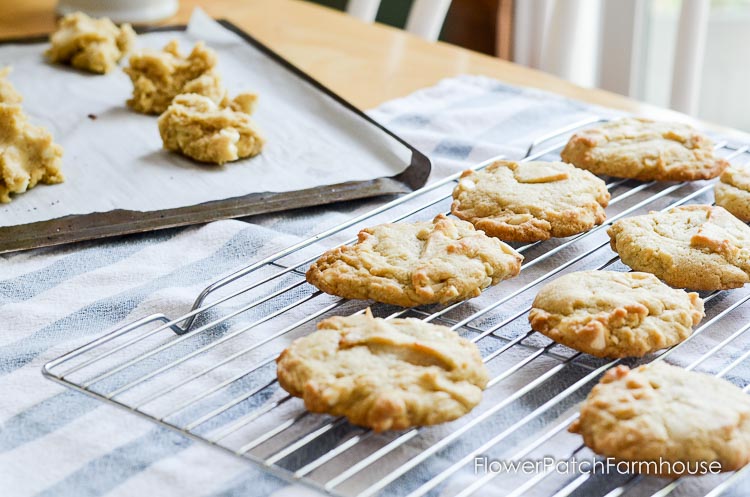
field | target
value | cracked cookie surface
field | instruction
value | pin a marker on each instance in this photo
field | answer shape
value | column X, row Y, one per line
column 384, row 374
column 611, row 314
column 696, row 246
column 645, row 150
column 195, row 126
column 94, row 45
column 408, row 264
column 733, row 191
column 530, row 201
column 158, row 76
column 664, row 412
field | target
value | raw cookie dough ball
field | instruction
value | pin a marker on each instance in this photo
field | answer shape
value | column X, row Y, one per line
column 160, row 75
column 8, row 92
column 197, row 127
column 28, row 155
column 94, row 45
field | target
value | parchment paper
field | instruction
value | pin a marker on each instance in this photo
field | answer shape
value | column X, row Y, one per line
column 116, row 160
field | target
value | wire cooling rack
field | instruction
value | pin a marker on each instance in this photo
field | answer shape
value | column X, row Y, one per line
column 210, row 374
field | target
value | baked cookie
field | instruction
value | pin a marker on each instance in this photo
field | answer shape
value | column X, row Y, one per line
column 645, row 150
column 28, row 155
column 664, row 413
column 610, row 314
column 195, row 126
column 733, row 191
column 408, row 264
column 94, row 45
column 384, row 374
column 8, row 92
column 694, row 246
column 530, row 201
column 160, row 75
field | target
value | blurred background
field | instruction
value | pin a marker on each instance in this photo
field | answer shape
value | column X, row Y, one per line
column 633, row 47
column 688, row 55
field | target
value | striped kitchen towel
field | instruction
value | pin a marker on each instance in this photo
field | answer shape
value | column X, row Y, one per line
column 55, row 442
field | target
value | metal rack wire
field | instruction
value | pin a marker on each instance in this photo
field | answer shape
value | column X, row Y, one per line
column 215, row 380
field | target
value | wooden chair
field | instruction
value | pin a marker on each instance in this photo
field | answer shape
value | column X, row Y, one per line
column 426, row 17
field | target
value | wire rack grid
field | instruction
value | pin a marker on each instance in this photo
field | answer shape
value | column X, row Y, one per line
column 210, row 374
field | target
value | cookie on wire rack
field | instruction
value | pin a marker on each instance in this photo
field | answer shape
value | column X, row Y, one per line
column 409, row 264
column 733, row 191
column 384, row 374
column 670, row 420
column 645, row 150
column 612, row 314
column 530, row 201
column 700, row 247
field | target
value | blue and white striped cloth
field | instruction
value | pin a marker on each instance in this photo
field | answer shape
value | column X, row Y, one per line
column 58, row 443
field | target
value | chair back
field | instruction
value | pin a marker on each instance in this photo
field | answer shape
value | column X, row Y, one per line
column 426, row 17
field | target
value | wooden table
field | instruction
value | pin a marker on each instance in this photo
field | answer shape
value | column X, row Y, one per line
column 366, row 64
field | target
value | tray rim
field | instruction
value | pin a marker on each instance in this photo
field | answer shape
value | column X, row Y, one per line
column 99, row 225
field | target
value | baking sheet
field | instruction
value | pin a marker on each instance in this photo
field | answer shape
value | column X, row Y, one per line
column 319, row 149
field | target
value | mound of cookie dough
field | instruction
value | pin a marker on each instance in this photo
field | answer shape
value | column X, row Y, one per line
column 610, row 314
column 645, row 150
column 8, row 92
column 384, row 374
column 530, row 201
column 408, row 264
column 160, row 75
column 94, row 45
column 195, row 126
column 664, row 413
column 696, row 246
column 733, row 191
column 28, row 155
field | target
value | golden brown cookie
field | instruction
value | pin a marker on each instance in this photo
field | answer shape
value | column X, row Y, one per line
column 733, row 191
column 28, row 155
column 408, row 264
column 195, row 126
column 530, row 201
column 696, row 246
column 94, row 45
column 160, row 75
column 645, row 150
column 384, row 374
column 664, row 413
column 610, row 314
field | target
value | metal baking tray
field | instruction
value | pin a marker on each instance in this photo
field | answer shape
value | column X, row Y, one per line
column 119, row 222
column 209, row 374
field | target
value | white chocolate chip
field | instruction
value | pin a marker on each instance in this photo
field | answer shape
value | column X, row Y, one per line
column 468, row 184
